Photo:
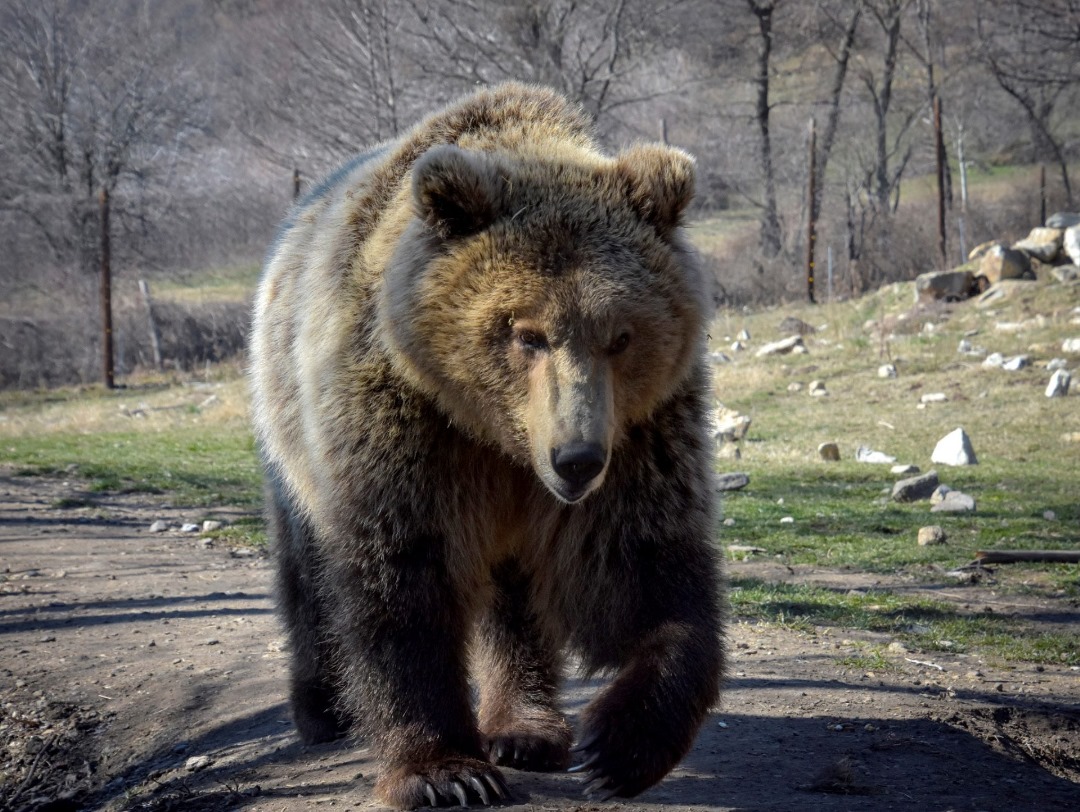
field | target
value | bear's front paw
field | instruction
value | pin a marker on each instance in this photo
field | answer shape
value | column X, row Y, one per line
column 526, row 750
column 618, row 759
column 456, row 781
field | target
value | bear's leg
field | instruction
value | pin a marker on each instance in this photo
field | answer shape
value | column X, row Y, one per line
column 636, row 730
column 519, row 681
column 312, row 695
column 403, row 629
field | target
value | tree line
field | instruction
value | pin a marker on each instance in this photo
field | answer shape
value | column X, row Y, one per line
column 192, row 116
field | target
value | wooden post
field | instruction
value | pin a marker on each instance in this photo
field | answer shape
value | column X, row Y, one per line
column 811, row 225
column 1042, row 194
column 939, row 148
column 296, row 184
column 106, row 294
column 155, row 335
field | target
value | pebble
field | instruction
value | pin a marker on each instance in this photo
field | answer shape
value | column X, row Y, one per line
column 902, row 470
column 887, row 371
column 209, row 526
column 932, row 534
column 788, row 520
column 729, row 522
column 794, row 386
column 196, row 763
column 159, row 526
column 994, row 359
column 1049, row 515
column 1054, row 364
column 817, row 389
column 189, row 527
column 934, row 397
column 1016, row 364
column 865, row 454
column 732, row 482
column 1070, row 345
column 830, row 452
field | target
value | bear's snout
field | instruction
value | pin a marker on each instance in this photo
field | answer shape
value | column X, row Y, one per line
column 579, row 463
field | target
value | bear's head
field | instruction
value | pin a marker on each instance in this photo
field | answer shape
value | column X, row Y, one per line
column 547, row 303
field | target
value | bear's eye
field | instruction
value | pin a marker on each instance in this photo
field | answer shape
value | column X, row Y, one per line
column 619, row 344
column 532, row 340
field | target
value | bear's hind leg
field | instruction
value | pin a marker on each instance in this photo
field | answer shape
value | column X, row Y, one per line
column 519, row 680
column 312, row 694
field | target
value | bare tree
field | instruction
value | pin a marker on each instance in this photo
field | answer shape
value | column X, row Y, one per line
column 605, row 54
column 92, row 106
column 1032, row 49
column 332, row 77
column 770, row 238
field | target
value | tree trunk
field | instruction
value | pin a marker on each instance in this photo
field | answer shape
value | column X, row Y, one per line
column 106, row 294
column 770, row 237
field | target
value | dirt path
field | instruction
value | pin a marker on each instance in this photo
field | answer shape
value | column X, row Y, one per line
column 144, row 671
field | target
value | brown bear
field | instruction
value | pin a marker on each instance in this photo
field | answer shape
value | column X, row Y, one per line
column 480, row 397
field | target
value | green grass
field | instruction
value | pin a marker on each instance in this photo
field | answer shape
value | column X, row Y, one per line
column 152, row 438
column 918, row 622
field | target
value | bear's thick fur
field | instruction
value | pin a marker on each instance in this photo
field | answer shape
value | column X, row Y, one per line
column 480, row 400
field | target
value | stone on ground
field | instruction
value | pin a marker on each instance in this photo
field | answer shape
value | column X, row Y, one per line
column 954, row 449
column 830, row 452
column 932, row 534
column 1059, row 384
column 915, row 488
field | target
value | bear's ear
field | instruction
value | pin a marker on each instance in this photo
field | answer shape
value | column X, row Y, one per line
column 660, row 183
column 457, row 193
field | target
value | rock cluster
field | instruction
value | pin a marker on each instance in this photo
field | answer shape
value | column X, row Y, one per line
column 1053, row 249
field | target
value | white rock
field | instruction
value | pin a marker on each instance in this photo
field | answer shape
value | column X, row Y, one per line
column 954, row 502
column 1063, row 219
column 1017, row 363
column 189, row 527
column 865, row 454
column 196, row 763
column 737, row 346
column 794, row 386
column 159, row 526
column 1059, row 384
column 744, row 335
column 210, row 526
column 1055, row 364
column 901, row 470
column 954, row 449
column 1071, row 244
column 934, row 397
column 1070, row 345
column 719, row 358
column 729, row 425
column 994, row 359
column 887, row 371
column 781, row 347
column 788, row 520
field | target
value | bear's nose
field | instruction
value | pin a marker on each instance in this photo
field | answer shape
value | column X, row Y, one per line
column 578, row 463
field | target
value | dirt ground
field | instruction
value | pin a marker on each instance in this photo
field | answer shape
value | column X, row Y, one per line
column 144, row 671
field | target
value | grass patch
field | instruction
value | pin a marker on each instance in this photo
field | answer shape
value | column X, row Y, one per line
column 248, row 531
column 189, row 441
column 921, row 623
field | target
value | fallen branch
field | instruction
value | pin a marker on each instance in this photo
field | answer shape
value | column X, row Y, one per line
column 924, row 662
column 1019, row 556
